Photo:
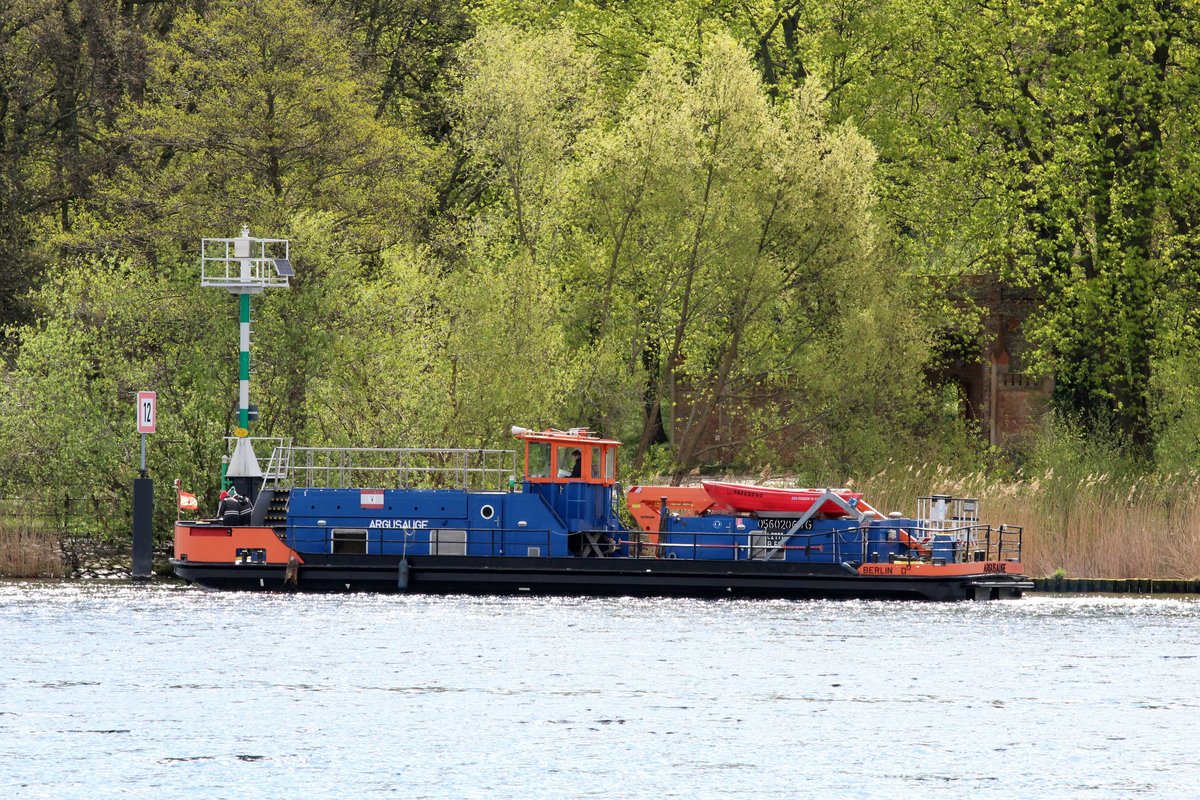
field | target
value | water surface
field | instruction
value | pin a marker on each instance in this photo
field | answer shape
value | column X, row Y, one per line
column 111, row 690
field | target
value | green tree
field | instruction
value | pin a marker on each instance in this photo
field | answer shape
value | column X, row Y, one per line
column 408, row 46
column 104, row 331
column 767, row 244
column 708, row 243
column 1072, row 121
column 252, row 112
column 57, row 70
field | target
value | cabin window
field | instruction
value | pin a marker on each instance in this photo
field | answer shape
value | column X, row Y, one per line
column 447, row 542
column 595, row 461
column 538, row 460
column 570, row 462
column 349, row 541
column 610, row 463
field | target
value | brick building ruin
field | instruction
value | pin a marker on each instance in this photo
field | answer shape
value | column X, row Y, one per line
column 998, row 395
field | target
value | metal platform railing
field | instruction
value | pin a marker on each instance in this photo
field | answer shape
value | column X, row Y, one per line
column 1006, row 544
column 966, row 543
column 974, row 542
column 947, row 512
column 825, row 547
column 828, row 547
column 245, row 265
column 383, row 468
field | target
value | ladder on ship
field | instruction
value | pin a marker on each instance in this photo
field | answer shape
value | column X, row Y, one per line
column 275, row 514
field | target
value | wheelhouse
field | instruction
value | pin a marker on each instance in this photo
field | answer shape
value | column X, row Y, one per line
column 573, row 456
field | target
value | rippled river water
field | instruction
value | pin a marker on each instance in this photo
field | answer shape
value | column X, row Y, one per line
column 167, row 692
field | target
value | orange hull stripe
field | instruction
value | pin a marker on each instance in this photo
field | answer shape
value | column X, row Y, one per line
column 926, row 570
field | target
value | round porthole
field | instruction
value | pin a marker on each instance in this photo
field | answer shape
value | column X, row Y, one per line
column 487, row 512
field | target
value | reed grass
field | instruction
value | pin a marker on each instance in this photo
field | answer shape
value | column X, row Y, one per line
column 1095, row 525
column 29, row 553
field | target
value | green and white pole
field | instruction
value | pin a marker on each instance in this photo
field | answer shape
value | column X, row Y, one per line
column 244, row 366
column 243, row 266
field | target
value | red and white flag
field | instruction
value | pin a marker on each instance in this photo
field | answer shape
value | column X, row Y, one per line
column 188, row 502
column 371, row 498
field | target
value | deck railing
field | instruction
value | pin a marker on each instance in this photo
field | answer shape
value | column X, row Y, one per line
column 976, row 543
column 387, row 468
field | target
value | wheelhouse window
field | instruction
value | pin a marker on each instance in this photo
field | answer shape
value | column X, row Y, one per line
column 570, row 462
column 537, row 460
column 570, row 457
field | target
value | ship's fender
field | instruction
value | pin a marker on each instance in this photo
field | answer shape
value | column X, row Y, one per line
column 402, row 575
column 291, row 573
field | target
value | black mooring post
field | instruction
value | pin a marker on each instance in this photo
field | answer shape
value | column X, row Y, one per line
column 143, row 528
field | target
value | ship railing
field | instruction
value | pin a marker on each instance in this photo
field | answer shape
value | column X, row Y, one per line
column 849, row 544
column 961, row 544
column 524, row 542
column 277, row 465
column 1006, row 545
column 400, row 468
column 498, row 542
column 947, row 512
column 972, row 542
column 834, row 546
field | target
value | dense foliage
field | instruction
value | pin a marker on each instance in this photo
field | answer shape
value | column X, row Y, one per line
column 723, row 232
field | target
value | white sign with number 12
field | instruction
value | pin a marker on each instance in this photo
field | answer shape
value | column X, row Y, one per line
column 147, row 411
